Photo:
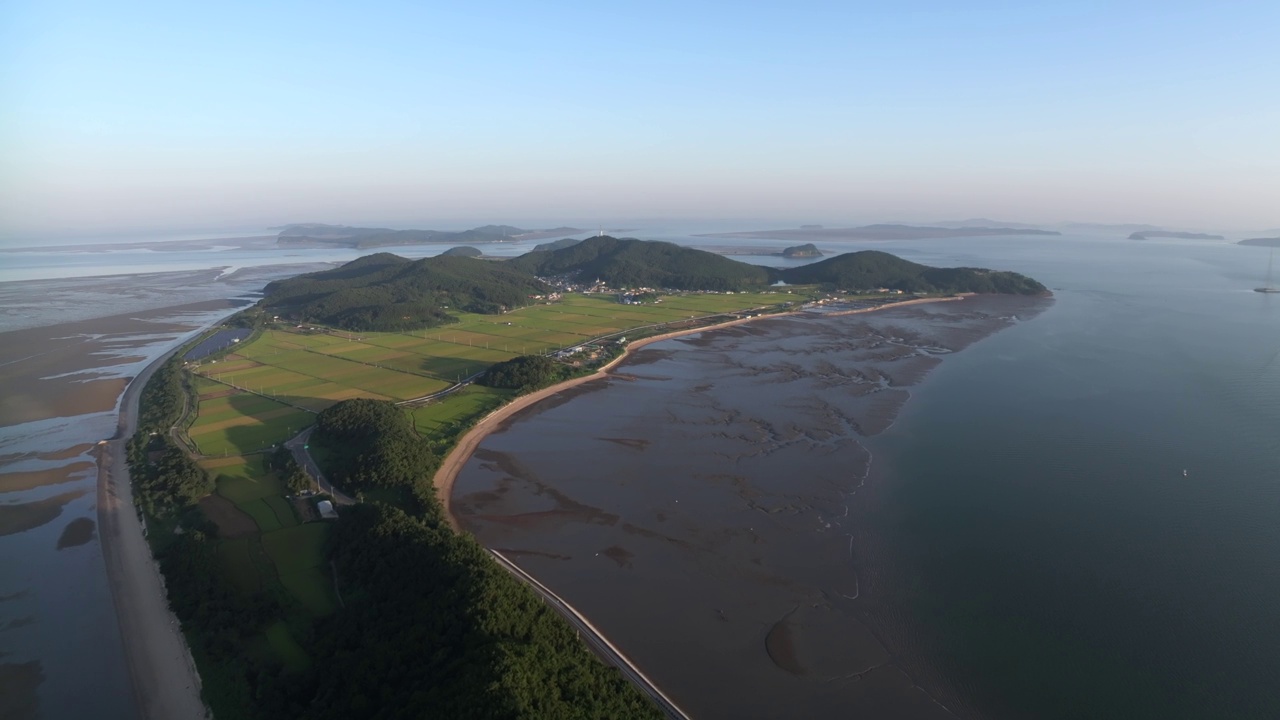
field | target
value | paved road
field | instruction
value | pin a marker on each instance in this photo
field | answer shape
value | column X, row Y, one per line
column 595, row 639
column 298, row 446
column 165, row 683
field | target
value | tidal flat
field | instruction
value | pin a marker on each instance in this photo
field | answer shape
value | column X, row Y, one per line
column 707, row 506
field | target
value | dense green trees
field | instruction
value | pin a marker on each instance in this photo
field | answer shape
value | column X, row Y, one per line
column 161, row 400
column 165, row 479
column 641, row 263
column 434, row 628
column 372, row 443
column 871, row 269
column 389, row 293
column 283, row 464
column 524, row 373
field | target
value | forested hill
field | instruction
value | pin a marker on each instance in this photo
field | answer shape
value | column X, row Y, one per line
column 388, row 293
column 629, row 262
column 871, row 269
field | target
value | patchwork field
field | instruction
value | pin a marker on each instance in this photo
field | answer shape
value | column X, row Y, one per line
column 270, row 388
column 313, row 369
column 230, row 422
column 265, row 547
column 298, row 556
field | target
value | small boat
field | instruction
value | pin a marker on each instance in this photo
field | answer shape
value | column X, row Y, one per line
column 1184, row 472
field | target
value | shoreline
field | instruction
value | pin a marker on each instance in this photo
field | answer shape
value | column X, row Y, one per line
column 162, row 672
column 445, row 477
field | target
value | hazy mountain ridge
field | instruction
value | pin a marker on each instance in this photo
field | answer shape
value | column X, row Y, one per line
column 319, row 234
column 882, row 231
column 1147, row 235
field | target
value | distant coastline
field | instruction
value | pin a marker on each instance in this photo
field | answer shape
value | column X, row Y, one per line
column 878, row 232
column 1261, row 242
column 1149, row 234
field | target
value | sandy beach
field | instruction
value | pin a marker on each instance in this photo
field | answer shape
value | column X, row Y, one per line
column 166, row 685
column 447, row 475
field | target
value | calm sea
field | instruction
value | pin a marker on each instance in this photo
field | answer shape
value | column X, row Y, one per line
column 1078, row 516
column 1086, row 508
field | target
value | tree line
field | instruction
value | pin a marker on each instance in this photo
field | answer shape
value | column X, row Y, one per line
column 431, row 626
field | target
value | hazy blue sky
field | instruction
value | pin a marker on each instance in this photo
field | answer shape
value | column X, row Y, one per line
column 121, row 115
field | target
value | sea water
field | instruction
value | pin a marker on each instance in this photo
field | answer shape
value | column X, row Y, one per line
column 1078, row 516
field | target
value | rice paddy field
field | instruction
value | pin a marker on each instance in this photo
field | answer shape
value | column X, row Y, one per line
column 280, row 554
column 313, row 369
column 233, row 422
column 269, row 389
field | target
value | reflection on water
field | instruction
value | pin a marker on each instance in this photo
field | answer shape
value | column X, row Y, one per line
column 700, row 506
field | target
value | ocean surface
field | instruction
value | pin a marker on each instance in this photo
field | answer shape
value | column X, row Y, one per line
column 1075, row 516
column 1026, row 514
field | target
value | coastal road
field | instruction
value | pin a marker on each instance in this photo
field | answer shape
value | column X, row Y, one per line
column 595, row 639
column 298, row 446
column 165, row 683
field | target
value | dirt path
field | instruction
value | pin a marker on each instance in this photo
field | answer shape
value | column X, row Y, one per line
column 165, row 683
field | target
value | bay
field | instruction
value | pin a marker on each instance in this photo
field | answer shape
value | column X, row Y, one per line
column 1026, row 543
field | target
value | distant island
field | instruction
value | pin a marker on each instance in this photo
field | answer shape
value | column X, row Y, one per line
column 1261, row 242
column 321, row 235
column 881, row 232
column 1148, row 234
column 808, row 250
column 385, row 292
column 463, row 251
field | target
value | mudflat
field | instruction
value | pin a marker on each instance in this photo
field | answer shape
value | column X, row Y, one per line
column 74, row 368
column 713, row 515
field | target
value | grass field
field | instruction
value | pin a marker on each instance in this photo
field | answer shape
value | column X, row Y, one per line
column 467, row 403
column 262, row 514
column 314, row 369
column 237, row 560
column 242, row 479
column 286, row 648
column 298, row 556
column 230, row 422
column 297, row 548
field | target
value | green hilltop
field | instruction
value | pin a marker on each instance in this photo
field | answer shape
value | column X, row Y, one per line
column 629, row 262
column 871, row 269
column 386, row 292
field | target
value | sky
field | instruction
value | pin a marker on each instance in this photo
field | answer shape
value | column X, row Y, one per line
column 126, row 116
